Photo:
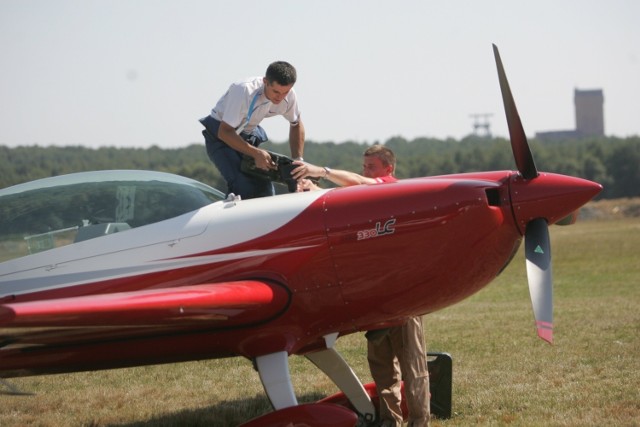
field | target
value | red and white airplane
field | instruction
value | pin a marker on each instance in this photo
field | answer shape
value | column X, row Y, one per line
column 110, row 269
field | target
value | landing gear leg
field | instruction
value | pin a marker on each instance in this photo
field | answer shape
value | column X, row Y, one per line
column 274, row 374
column 334, row 366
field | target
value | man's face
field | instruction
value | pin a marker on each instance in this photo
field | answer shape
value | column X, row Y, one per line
column 275, row 92
column 372, row 167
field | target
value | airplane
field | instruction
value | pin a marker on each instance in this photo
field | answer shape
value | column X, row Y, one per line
column 111, row 269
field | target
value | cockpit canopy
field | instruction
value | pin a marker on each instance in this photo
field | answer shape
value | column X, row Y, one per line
column 53, row 212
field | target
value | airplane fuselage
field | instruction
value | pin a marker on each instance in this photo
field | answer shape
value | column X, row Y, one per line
column 365, row 256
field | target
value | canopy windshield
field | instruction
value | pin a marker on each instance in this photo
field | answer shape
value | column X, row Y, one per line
column 53, row 212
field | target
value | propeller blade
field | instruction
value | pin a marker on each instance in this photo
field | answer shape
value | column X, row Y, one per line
column 538, row 255
column 519, row 144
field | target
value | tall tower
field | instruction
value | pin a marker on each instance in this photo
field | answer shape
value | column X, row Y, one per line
column 481, row 128
column 589, row 112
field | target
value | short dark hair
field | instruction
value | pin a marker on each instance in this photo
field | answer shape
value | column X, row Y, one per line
column 282, row 73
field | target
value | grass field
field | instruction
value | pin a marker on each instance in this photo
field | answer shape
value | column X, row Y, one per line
column 503, row 374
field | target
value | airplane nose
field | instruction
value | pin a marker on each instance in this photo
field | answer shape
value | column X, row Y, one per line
column 538, row 202
column 549, row 196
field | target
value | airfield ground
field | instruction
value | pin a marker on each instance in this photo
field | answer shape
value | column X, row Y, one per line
column 611, row 209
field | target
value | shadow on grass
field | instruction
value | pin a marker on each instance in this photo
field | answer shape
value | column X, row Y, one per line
column 227, row 413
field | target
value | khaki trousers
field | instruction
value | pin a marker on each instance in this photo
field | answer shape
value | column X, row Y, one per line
column 401, row 355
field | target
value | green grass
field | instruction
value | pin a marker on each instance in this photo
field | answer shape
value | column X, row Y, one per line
column 503, row 374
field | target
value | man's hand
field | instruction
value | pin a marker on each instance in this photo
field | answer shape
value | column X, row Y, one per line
column 263, row 160
column 306, row 185
column 261, row 157
column 304, row 170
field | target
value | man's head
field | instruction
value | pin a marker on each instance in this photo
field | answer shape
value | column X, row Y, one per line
column 278, row 81
column 378, row 161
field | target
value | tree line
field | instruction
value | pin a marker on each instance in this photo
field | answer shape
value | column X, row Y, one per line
column 613, row 162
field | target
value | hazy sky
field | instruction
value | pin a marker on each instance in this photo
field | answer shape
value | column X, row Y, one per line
column 137, row 73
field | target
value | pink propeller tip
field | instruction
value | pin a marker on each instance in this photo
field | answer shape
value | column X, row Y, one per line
column 545, row 331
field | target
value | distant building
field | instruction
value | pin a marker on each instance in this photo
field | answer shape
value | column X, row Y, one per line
column 589, row 112
column 589, row 107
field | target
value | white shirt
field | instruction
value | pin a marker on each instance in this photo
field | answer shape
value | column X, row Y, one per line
column 233, row 107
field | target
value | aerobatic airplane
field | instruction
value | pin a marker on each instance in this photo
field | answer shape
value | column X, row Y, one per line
column 111, row 269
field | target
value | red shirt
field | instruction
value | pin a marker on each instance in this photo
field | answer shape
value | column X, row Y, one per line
column 388, row 178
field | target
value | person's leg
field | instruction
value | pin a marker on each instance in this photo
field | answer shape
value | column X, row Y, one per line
column 380, row 356
column 228, row 160
column 415, row 374
column 254, row 187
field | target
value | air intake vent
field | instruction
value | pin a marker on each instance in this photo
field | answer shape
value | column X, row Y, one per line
column 493, row 196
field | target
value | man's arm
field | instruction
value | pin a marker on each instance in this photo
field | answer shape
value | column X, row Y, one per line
column 337, row 176
column 228, row 135
column 296, row 139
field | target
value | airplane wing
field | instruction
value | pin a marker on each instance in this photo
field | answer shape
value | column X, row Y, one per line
column 219, row 304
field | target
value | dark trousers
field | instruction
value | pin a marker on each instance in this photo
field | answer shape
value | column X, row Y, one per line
column 228, row 160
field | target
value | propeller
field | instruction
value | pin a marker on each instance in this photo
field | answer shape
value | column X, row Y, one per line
column 536, row 239
column 519, row 144
column 538, row 254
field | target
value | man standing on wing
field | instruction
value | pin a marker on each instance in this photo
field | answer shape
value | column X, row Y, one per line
column 232, row 128
column 399, row 346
